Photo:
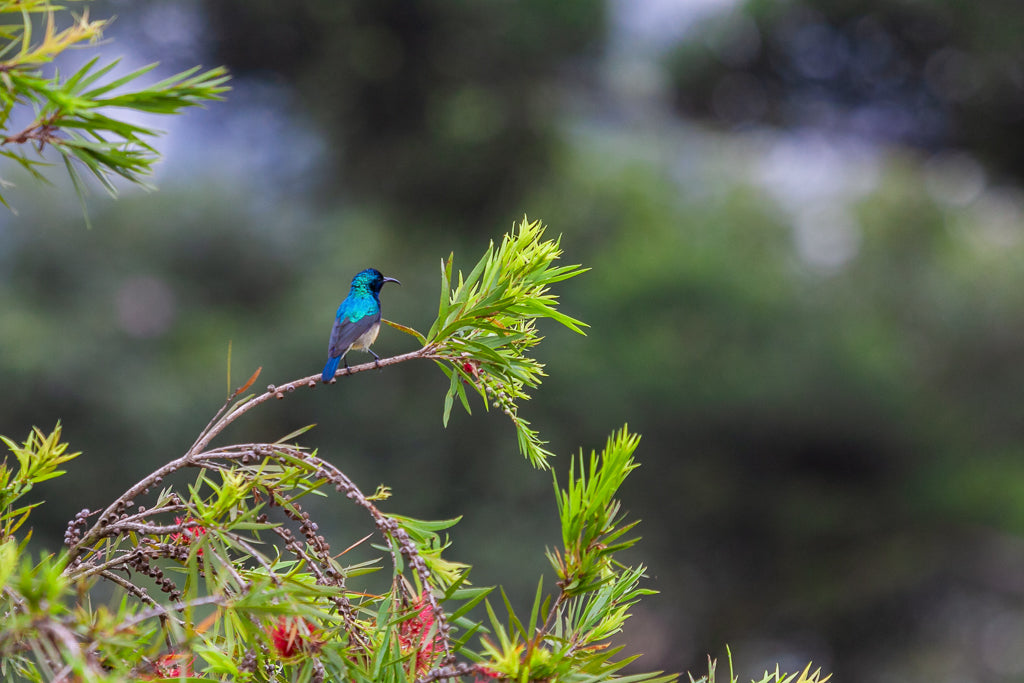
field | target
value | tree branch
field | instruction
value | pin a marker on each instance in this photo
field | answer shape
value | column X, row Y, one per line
column 192, row 457
column 429, row 351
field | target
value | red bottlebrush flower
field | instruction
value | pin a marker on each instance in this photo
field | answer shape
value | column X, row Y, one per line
column 487, row 673
column 470, row 368
column 174, row 665
column 191, row 531
column 292, row 635
column 417, row 634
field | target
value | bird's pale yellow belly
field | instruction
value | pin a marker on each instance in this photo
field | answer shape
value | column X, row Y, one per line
column 367, row 338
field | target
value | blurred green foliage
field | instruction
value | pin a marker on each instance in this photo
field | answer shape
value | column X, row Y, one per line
column 442, row 111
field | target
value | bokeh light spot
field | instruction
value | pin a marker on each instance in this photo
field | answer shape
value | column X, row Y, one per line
column 954, row 178
column 146, row 307
column 827, row 237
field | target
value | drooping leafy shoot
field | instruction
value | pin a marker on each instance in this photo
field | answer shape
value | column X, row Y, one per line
column 486, row 326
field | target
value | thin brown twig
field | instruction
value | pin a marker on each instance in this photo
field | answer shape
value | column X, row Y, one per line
column 243, row 585
column 311, row 381
column 84, row 570
column 41, row 132
column 151, row 529
column 161, row 611
column 70, row 648
column 177, row 507
column 138, row 592
column 255, row 554
column 451, row 671
column 546, row 627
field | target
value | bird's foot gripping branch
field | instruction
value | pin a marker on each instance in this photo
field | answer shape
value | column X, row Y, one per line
column 231, row 577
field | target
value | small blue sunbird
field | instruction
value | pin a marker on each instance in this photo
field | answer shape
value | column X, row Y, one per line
column 358, row 320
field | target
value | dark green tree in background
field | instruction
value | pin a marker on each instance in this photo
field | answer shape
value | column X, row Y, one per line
column 940, row 75
column 418, row 101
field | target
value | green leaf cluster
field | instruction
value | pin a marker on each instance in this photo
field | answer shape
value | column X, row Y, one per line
column 592, row 523
column 595, row 592
column 430, row 545
column 486, row 325
column 73, row 115
column 245, row 597
column 39, row 458
column 776, row 676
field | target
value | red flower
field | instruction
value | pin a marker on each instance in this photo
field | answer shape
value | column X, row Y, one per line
column 174, row 665
column 292, row 635
column 189, row 533
column 487, row 672
column 418, row 634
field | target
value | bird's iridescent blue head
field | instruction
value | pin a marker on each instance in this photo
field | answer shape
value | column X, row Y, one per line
column 371, row 279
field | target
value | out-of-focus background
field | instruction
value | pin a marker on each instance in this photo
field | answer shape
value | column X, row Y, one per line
column 804, row 221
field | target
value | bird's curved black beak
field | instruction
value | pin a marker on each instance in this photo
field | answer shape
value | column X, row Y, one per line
column 391, row 279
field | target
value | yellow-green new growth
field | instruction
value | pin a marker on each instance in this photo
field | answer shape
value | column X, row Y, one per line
column 486, row 325
column 777, row 676
column 39, row 458
column 73, row 114
column 592, row 523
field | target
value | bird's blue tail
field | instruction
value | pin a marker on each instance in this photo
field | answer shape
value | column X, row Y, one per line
column 331, row 368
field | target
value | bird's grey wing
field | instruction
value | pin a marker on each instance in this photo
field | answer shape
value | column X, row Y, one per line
column 345, row 332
